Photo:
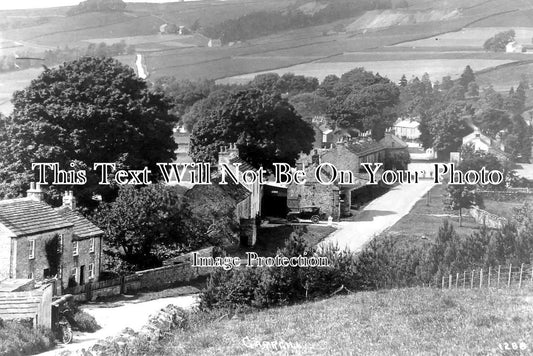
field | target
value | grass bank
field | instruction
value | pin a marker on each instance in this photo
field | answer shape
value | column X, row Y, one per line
column 414, row 321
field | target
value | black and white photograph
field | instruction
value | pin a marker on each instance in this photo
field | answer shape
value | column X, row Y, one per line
column 266, row 177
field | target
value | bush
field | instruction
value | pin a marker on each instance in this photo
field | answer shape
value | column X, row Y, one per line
column 85, row 322
column 17, row 338
column 263, row 287
column 80, row 320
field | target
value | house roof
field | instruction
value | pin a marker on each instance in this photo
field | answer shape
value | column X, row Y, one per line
column 25, row 216
column 236, row 191
column 83, row 228
column 245, row 166
column 389, row 137
column 361, row 148
column 407, row 123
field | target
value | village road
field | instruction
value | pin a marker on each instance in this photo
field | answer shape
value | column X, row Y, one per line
column 380, row 214
column 115, row 319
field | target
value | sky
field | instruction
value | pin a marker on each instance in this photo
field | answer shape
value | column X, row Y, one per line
column 30, row 4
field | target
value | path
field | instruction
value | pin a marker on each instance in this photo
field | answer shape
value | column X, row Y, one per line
column 115, row 319
column 140, row 67
column 379, row 215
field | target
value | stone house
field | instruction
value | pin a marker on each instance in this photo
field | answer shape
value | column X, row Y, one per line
column 335, row 200
column 514, row 47
column 27, row 224
column 407, row 128
column 214, row 43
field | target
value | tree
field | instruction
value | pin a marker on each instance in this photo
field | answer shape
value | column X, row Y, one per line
column 460, row 197
column 327, row 87
column 261, row 123
column 85, row 111
column 403, row 81
column 498, row 42
column 310, row 104
column 137, row 221
column 447, row 128
column 467, row 77
column 183, row 93
column 205, row 107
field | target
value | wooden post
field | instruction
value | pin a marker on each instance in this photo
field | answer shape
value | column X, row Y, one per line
column 480, row 278
column 464, row 279
column 456, row 280
column 450, row 282
column 488, row 280
column 499, row 268
column 520, row 280
column 509, row 279
column 472, row 280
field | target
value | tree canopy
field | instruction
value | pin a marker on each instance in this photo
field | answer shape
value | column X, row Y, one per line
column 498, row 42
column 265, row 127
column 85, row 111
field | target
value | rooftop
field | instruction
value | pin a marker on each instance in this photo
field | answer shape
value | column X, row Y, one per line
column 83, row 228
column 26, row 216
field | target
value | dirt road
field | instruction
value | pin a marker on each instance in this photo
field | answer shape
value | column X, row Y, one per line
column 115, row 319
column 379, row 215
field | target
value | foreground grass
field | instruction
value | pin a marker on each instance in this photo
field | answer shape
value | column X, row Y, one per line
column 397, row 322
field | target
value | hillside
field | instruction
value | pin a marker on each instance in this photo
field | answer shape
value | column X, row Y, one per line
column 397, row 322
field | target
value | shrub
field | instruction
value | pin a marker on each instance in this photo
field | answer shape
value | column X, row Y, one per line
column 85, row 322
column 17, row 338
column 263, row 287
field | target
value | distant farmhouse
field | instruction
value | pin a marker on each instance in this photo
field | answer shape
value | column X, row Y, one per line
column 173, row 29
column 214, row 43
column 514, row 47
column 27, row 224
column 407, row 129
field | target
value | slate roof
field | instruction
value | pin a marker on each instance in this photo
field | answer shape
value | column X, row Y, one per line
column 364, row 148
column 25, row 216
column 245, row 166
column 83, row 228
column 235, row 191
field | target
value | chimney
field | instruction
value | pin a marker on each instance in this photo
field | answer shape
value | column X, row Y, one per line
column 35, row 192
column 226, row 153
column 69, row 201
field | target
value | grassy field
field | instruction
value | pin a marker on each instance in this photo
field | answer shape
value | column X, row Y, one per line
column 471, row 37
column 395, row 322
column 424, row 220
column 436, row 68
column 505, row 208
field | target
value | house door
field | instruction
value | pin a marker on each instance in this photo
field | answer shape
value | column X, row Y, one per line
column 82, row 275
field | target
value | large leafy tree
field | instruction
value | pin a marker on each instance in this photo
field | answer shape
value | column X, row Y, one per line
column 365, row 101
column 138, row 221
column 85, row 111
column 265, row 127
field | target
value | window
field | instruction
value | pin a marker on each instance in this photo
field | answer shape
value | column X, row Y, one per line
column 61, row 241
column 30, row 275
column 74, row 274
column 75, row 248
column 91, row 249
column 32, row 250
column 91, row 270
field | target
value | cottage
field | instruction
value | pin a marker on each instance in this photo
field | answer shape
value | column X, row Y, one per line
column 27, row 225
column 481, row 142
column 214, row 43
column 514, row 47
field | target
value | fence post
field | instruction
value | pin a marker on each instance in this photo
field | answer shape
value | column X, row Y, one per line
column 472, row 280
column 450, row 282
column 480, row 278
column 520, row 280
column 488, row 280
column 499, row 268
column 456, row 280
column 509, row 279
column 464, row 279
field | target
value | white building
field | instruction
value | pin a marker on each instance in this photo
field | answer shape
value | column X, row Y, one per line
column 407, row 128
column 513, row 47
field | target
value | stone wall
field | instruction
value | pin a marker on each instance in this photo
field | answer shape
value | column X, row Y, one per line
column 483, row 217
